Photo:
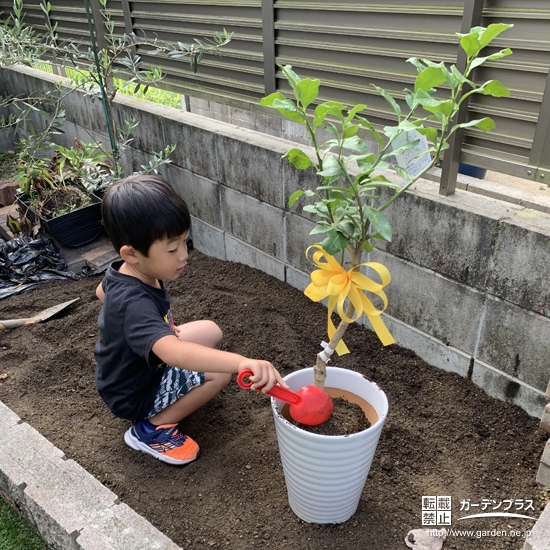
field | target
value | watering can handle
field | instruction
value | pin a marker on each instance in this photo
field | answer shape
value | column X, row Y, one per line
column 288, row 396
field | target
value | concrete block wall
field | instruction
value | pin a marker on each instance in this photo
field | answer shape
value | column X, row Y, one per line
column 469, row 290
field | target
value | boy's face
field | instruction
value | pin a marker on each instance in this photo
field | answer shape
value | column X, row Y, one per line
column 166, row 260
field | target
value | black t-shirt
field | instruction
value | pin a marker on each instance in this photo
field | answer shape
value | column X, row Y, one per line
column 133, row 317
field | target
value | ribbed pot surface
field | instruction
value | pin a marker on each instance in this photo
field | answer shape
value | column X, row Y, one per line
column 324, row 474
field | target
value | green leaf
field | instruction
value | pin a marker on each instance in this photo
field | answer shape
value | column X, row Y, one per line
column 446, row 108
column 402, row 149
column 328, row 108
column 294, row 197
column 331, row 168
column 354, row 111
column 291, row 76
column 480, row 60
column 367, row 247
column 378, row 221
column 350, row 130
column 319, row 229
column 404, row 173
column 470, row 43
column 268, row 101
column 368, row 157
column 288, row 108
column 406, row 126
column 298, row 159
column 486, row 124
column 334, row 242
column 364, row 122
column 390, row 100
column 494, row 88
column 307, row 91
column 417, row 63
column 491, row 32
column 460, row 77
column 430, row 133
column 429, row 78
column 392, row 132
column 355, row 144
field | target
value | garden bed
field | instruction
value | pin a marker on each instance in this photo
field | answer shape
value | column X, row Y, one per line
column 443, row 435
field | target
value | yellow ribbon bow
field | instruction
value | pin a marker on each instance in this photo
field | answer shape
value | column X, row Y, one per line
column 334, row 281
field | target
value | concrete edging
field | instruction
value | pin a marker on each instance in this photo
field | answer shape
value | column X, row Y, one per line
column 71, row 509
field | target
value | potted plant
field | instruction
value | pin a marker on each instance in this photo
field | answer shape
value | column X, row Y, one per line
column 62, row 186
column 63, row 189
column 325, row 474
column 58, row 189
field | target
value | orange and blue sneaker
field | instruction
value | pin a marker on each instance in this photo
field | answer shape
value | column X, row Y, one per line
column 164, row 442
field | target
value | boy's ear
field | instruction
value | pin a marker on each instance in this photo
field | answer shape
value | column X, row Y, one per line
column 128, row 254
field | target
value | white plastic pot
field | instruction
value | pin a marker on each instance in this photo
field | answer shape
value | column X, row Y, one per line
column 325, row 474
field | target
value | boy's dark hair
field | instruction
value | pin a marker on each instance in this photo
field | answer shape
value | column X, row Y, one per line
column 141, row 209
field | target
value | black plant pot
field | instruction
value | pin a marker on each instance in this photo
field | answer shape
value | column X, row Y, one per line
column 473, row 171
column 74, row 229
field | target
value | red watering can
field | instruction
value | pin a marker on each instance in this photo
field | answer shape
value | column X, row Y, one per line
column 309, row 405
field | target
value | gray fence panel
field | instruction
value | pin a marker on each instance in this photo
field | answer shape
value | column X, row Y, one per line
column 350, row 45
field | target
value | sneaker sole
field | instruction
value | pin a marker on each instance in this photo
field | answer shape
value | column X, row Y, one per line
column 136, row 444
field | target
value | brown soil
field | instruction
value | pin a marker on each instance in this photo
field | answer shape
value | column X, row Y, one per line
column 443, row 435
column 61, row 200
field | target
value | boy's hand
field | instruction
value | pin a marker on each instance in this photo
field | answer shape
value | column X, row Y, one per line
column 265, row 374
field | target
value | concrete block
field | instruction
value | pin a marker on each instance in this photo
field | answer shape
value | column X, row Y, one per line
column 298, row 240
column 546, row 454
column 431, row 303
column 507, row 388
column 82, row 134
column 516, row 341
column 495, row 190
column 89, row 539
column 253, row 222
column 543, row 474
column 148, row 135
column 7, row 417
column 521, row 261
column 243, row 118
column 431, row 350
column 266, row 124
column 13, row 478
column 137, row 159
column 207, row 239
column 219, row 111
column 57, row 524
column 295, row 132
column 452, row 241
column 196, row 148
column 71, row 132
column 296, row 278
column 238, row 251
column 200, row 112
column 252, row 169
column 545, row 420
column 34, row 439
column 86, row 113
column 92, row 487
column 540, row 535
column 151, row 536
column 201, row 194
column 300, row 180
column 197, row 103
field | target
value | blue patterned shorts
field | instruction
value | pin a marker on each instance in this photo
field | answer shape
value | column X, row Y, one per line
column 175, row 383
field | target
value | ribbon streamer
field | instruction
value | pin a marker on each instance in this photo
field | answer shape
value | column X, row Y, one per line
column 332, row 280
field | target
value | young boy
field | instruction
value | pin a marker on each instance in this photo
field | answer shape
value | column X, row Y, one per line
column 148, row 370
